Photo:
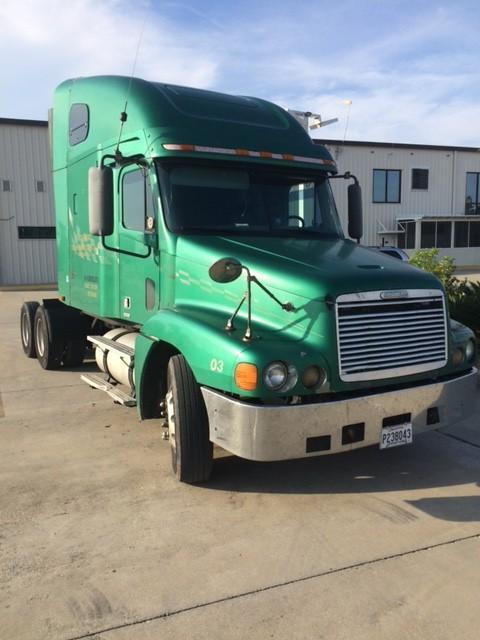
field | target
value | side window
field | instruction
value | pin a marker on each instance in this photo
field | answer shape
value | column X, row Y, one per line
column 78, row 123
column 137, row 200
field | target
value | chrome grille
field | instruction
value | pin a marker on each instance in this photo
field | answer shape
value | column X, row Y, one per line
column 386, row 338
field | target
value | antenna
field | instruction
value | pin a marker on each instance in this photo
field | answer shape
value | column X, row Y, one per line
column 304, row 117
column 123, row 114
column 348, row 104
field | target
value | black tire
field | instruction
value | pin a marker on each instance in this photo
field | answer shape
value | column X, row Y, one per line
column 48, row 347
column 27, row 320
column 192, row 451
column 74, row 352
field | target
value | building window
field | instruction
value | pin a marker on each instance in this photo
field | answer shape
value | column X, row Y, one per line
column 386, row 185
column 461, row 234
column 436, row 234
column 137, row 200
column 467, row 234
column 78, row 123
column 474, row 234
column 420, row 179
column 444, row 234
column 6, row 185
column 36, row 233
column 406, row 240
column 472, row 195
column 427, row 238
column 40, row 186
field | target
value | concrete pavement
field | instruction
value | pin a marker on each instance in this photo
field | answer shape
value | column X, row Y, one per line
column 97, row 540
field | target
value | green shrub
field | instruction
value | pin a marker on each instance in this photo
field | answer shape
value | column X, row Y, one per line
column 465, row 304
column 443, row 268
column 463, row 297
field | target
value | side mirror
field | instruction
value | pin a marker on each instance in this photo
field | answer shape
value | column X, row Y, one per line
column 225, row 270
column 355, row 216
column 100, row 201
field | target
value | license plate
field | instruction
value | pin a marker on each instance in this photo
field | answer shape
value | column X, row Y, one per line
column 396, row 435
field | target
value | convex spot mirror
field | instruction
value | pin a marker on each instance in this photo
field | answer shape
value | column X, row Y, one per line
column 100, row 201
column 225, row 270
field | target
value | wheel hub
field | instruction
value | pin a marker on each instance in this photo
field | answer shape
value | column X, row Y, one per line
column 171, row 419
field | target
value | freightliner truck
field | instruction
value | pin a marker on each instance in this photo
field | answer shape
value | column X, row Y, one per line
column 200, row 253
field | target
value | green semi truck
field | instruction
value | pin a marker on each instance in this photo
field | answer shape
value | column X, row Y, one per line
column 200, row 254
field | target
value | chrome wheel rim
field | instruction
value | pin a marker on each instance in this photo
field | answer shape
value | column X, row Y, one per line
column 171, row 424
column 39, row 337
column 25, row 330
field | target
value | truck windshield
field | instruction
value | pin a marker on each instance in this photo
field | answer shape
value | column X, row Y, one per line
column 247, row 201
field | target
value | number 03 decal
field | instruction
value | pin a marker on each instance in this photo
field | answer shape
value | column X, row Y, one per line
column 216, row 365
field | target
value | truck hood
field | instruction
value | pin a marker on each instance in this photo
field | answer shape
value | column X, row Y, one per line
column 309, row 268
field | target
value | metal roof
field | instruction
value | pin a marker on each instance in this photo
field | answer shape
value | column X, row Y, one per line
column 394, row 145
column 26, row 123
column 439, row 217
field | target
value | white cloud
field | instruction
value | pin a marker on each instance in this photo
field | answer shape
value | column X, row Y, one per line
column 47, row 42
column 413, row 86
column 412, row 73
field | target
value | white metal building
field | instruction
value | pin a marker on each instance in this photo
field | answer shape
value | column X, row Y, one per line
column 415, row 196
column 27, row 227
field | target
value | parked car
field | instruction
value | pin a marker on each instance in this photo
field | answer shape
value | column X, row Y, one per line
column 394, row 252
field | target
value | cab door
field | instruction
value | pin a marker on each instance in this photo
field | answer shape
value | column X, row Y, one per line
column 139, row 269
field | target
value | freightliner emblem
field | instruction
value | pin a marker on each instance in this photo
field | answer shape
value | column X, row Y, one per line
column 394, row 294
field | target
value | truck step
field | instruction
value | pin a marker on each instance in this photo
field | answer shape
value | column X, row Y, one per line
column 105, row 344
column 97, row 382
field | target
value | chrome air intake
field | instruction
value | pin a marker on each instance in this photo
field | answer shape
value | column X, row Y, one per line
column 387, row 334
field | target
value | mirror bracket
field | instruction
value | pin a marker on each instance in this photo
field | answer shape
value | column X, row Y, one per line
column 229, row 269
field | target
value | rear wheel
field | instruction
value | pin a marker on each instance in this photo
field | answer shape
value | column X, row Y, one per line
column 192, row 451
column 48, row 347
column 27, row 322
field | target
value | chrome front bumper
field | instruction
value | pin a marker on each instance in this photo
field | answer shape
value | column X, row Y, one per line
column 297, row 431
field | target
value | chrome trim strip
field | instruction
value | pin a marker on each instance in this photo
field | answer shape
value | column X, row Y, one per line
column 374, row 296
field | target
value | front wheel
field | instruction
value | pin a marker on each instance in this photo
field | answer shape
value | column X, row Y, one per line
column 192, row 451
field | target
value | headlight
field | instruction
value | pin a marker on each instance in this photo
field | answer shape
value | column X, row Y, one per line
column 278, row 376
column 470, row 350
column 457, row 357
column 313, row 377
column 275, row 375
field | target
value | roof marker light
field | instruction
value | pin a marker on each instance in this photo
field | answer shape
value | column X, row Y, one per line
column 247, row 153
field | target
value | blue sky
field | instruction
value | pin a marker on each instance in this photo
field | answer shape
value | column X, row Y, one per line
column 411, row 69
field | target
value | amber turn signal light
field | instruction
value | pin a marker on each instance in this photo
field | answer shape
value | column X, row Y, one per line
column 246, row 376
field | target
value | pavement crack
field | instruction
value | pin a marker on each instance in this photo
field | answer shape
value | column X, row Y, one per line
column 60, row 386
column 286, row 583
column 459, row 439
